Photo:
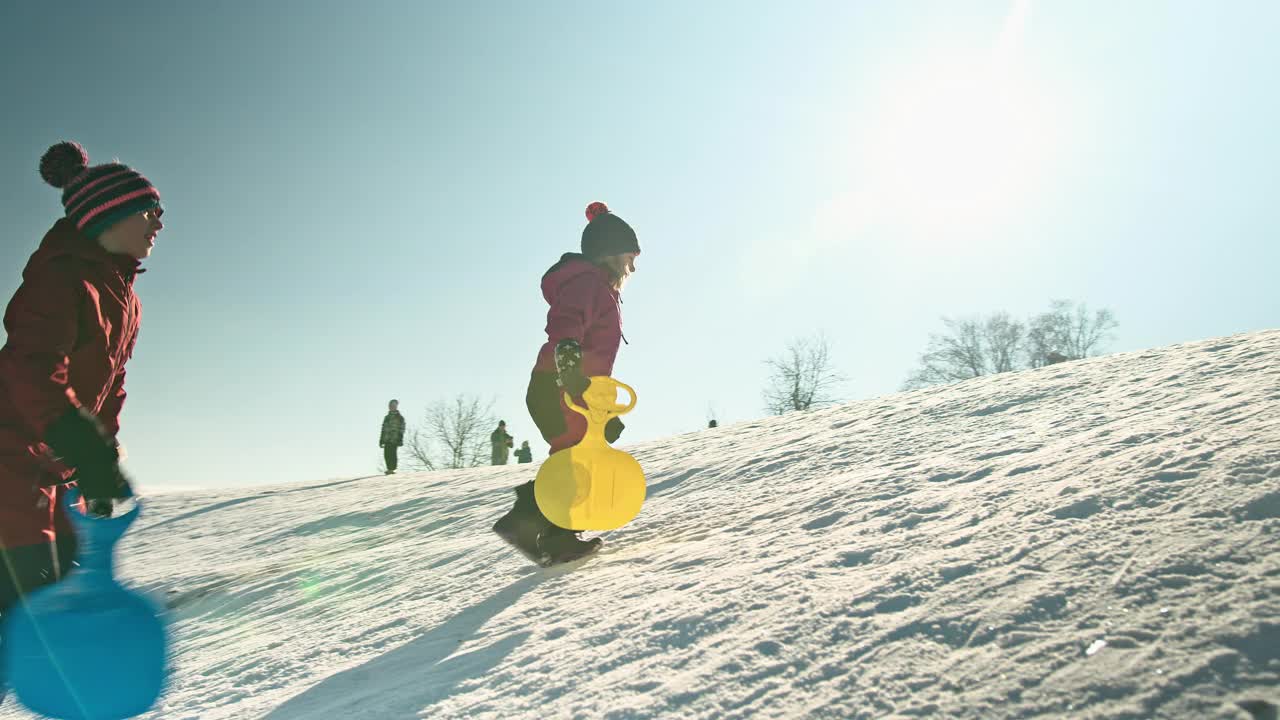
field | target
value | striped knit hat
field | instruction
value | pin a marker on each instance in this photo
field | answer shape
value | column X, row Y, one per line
column 96, row 197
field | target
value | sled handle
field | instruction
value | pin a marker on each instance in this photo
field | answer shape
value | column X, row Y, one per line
column 601, row 397
column 97, row 537
column 100, row 527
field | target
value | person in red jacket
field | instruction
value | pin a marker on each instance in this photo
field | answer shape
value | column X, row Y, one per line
column 71, row 328
column 584, row 331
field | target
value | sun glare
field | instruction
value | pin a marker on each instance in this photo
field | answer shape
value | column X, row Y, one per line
column 960, row 140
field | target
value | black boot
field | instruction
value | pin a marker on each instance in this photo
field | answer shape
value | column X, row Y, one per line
column 561, row 546
column 523, row 525
column 526, row 529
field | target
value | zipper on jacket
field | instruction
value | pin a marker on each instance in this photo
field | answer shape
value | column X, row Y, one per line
column 618, row 299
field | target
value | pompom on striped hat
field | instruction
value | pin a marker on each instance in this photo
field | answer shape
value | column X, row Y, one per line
column 96, row 197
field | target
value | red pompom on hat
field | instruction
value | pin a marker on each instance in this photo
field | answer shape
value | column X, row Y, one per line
column 607, row 234
column 595, row 210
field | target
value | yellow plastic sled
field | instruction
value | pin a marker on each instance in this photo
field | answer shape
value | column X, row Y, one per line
column 592, row 486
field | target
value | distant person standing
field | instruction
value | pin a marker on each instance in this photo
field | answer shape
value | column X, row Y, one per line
column 501, row 443
column 392, row 435
column 525, row 453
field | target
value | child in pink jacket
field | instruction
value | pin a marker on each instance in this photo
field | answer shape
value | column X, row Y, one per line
column 584, row 331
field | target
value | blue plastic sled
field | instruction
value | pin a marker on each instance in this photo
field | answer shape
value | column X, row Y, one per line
column 86, row 648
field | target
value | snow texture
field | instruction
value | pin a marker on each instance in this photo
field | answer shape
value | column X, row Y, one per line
column 1093, row 539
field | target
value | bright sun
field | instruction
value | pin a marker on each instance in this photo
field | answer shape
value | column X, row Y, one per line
column 959, row 141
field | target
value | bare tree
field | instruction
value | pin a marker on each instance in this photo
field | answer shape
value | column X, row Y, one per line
column 1002, row 338
column 454, row 434
column 971, row 347
column 420, row 450
column 959, row 354
column 1089, row 332
column 1047, row 334
column 802, row 378
column 1068, row 330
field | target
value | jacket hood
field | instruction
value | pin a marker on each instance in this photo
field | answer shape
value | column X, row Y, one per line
column 63, row 239
column 570, row 266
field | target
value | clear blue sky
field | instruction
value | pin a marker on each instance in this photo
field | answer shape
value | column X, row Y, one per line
column 362, row 197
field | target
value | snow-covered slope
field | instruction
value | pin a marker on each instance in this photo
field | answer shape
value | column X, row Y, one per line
column 1093, row 539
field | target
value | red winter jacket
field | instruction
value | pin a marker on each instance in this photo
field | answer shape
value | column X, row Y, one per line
column 71, row 327
column 586, row 307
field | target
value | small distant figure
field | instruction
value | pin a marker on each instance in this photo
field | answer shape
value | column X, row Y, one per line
column 501, row 443
column 392, row 436
column 525, row 453
column 713, row 424
column 1054, row 358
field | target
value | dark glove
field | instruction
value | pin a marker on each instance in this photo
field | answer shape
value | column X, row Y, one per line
column 543, row 401
column 613, row 429
column 569, row 367
column 574, row 382
column 78, row 439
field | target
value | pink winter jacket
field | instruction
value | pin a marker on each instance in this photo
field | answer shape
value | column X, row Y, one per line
column 70, row 327
column 585, row 307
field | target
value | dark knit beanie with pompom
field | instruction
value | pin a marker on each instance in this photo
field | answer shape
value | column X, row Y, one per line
column 97, row 197
column 607, row 234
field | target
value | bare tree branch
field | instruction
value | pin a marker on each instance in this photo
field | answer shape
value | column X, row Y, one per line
column 802, row 378
column 971, row 348
column 1002, row 338
column 1068, row 330
column 957, row 355
column 419, row 447
column 1088, row 332
column 1048, row 333
column 454, row 434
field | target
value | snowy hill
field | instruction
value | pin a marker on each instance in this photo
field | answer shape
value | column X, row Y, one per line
column 1093, row 539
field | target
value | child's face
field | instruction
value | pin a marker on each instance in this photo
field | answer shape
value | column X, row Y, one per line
column 624, row 265
column 134, row 236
